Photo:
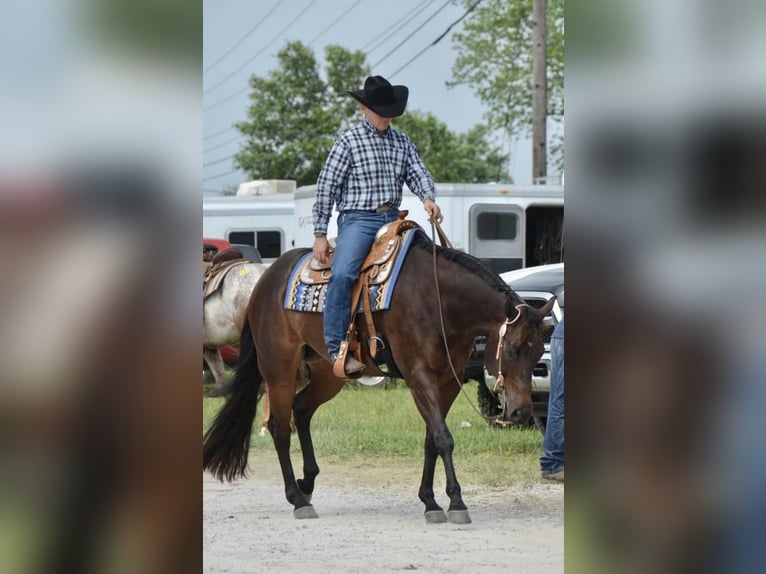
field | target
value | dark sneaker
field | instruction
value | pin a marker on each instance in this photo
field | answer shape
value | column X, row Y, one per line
column 555, row 476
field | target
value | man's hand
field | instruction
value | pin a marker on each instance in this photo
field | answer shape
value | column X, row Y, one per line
column 321, row 248
column 433, row 210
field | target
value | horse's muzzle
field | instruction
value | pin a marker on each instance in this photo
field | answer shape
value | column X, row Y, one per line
column 520, row 416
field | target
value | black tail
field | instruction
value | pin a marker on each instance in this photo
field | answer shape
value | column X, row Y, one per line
column 226, row 443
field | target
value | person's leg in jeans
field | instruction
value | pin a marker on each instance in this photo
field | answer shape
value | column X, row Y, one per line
column 356, row 233
column 552, row 460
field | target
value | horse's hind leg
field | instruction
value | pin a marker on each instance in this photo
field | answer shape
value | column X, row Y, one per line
column 281, row 397
column 216, row 365
column 323, row 387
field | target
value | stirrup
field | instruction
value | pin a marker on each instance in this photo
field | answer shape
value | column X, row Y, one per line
column 339, row 365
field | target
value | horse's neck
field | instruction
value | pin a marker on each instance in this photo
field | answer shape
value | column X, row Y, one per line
column 483, row 304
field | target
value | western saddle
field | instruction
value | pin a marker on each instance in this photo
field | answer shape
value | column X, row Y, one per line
column 375, row 270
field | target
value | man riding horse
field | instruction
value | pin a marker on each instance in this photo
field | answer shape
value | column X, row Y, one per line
column 363, row 175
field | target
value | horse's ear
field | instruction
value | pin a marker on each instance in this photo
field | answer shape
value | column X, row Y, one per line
column 545, row 310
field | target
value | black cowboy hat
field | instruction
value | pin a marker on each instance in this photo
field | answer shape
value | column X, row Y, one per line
column 381, row 97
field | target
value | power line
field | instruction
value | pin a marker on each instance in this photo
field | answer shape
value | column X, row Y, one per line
column 242, row 39
column 218, row 133
column 394, row 27
column 208, row 164
column 227, row 142
column 265, row 47
column 475, row 4
column 438, row 39
column 338, row 19
column 399, row 45
column 219, row 175
column 226, row 99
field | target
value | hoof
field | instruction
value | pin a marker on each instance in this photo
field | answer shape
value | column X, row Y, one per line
column 305, row 512
column 459, row 516
column 435, row 517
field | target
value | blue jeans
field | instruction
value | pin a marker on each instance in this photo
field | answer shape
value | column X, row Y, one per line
column 356, row 234
column 552, row 460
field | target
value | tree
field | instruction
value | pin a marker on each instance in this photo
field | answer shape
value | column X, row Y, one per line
column 295, row 116
column 495, row 58
column 451, row 157
column 344, row 69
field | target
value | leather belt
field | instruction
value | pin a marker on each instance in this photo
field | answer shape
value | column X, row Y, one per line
column 385, row 208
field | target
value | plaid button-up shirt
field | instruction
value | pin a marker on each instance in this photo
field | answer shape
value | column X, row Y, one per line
column 365, row 170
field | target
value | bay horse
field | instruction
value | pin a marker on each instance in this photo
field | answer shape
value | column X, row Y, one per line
column 280, row 348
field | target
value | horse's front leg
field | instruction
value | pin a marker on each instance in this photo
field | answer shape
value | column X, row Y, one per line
column 457, row 511
column 433, row 401
column 279, row 426
column 434, row 512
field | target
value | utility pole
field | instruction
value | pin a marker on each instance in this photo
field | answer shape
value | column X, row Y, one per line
column 539, row 91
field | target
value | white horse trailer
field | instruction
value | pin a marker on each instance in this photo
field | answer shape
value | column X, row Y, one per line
column 506, row 226
column 264, row 221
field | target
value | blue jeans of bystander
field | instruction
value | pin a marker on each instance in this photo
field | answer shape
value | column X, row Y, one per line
column 356, row 233
column 552, row 460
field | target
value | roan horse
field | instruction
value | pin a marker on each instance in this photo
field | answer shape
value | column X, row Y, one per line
column 278, row 345
column 225, row 308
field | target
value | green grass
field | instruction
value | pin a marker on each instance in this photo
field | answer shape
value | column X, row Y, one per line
column 382, row 427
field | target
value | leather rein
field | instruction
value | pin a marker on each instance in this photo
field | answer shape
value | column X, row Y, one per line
column 436, row 229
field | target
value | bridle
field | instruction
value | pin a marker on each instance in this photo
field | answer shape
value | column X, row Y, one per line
column 499, row 381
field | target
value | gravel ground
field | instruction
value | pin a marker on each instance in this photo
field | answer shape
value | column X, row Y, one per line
column 370, row 521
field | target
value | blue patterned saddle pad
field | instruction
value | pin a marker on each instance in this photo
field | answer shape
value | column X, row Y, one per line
column 310, row 297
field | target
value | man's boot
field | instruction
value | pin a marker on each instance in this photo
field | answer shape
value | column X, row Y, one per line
column 344, row 365
column 354, row 367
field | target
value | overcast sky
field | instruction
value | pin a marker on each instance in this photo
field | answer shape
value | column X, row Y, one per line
column 233, row 51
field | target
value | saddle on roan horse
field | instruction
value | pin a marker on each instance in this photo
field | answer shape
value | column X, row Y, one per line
column 375, row 270
column 217, row 269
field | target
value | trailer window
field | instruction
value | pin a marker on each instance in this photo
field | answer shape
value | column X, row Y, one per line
column 496, row 235
column 493, row 225
column 269, row 243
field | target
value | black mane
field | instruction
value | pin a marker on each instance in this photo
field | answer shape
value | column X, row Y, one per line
column 469, row 262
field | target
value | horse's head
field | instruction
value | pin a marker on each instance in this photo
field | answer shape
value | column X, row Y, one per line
column 512, row 354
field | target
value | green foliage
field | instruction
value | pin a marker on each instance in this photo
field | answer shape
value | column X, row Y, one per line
column 452, row 157
column 291, row 123
column 295, row 116
column 163, row 30
column 344, row 69
column 495, row 59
